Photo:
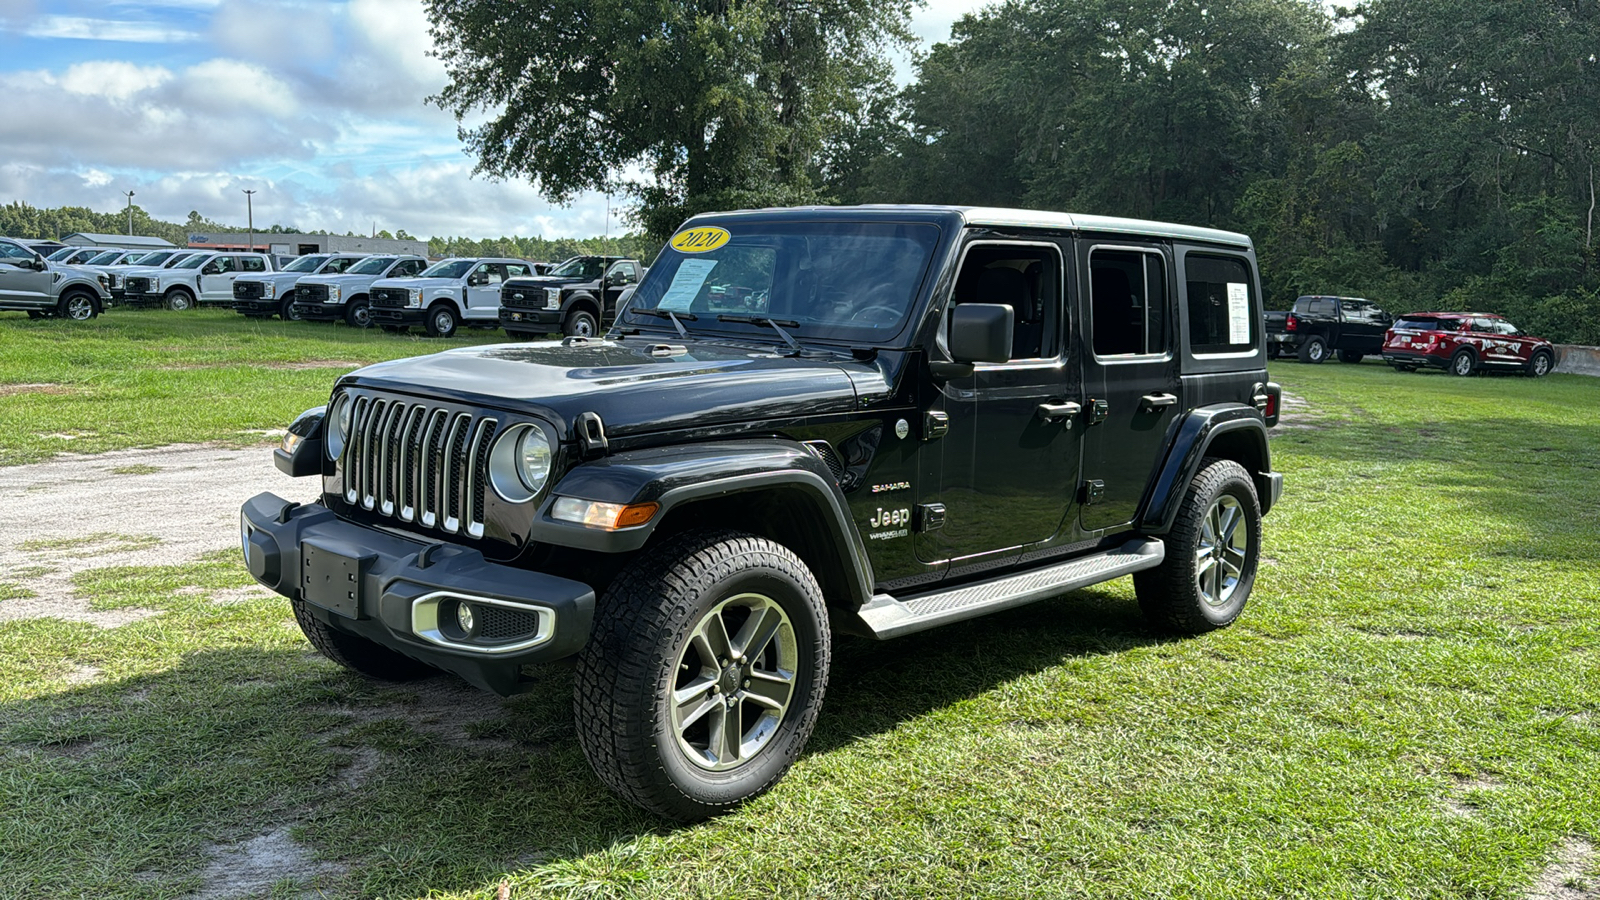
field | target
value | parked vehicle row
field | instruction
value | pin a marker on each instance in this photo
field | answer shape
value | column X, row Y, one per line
column 1461, row 343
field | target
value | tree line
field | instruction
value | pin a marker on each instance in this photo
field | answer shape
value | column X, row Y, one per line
column 21, row 220
column 1422, row 153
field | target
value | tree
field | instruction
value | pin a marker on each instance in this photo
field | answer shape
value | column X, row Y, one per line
column 722, row 103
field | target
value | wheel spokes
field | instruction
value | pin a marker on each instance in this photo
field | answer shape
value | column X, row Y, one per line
column 694, row 700
column 770, row 689
column 757, row 633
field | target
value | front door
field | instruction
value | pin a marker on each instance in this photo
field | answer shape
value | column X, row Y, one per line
column 1130, row 374
column 1006, row 468
column 19, row 284
column 483, row 291
column 216, row 279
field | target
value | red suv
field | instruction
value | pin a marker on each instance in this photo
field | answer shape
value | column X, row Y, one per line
column 1464, row 343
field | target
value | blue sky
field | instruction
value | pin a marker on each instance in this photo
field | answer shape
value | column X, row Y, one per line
column 315, row 104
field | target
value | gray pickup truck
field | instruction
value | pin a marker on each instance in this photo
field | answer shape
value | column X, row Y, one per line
column 44, row 289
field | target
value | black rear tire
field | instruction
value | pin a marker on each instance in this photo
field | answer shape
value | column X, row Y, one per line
column 395, row 329
column 654, row 680
column 1188, row 592
column 1463, row 363
column 1314, row 350
column 357, row 653
column 1350, row 356
column 37, row 314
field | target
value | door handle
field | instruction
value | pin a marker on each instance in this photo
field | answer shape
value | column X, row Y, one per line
column 1156, row 401
column 1051, row 411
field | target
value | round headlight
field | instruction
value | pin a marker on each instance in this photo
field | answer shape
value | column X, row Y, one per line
column 534, row 457
column 338, row 426
column 520, row 462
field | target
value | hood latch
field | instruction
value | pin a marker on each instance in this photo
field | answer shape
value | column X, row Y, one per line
column 591, row 434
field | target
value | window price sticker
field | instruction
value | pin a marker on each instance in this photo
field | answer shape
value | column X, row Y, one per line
column 1238, row 313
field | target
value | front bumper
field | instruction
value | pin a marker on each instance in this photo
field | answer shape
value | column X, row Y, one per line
column 1420, row 360
column 320, row 312
column 399, row 593
column 389, row 315
column 537, row 320
column 261, row 307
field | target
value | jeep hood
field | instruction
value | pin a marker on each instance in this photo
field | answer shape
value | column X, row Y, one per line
column 632, row 388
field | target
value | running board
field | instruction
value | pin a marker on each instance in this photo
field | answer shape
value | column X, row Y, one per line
column 887, row 617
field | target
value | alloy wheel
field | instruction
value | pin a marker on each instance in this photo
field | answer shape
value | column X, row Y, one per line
column 734, row 680
column 1224, row 545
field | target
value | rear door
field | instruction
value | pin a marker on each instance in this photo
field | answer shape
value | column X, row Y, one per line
column 1364, row 326
column 1130, row 373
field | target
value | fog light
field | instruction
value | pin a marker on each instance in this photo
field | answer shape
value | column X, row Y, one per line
column 464, row 618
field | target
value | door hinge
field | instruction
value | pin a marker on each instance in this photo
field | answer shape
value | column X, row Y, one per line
column 1099, row 411
column 1093, row 490
column 930, row 516
column 935, row 425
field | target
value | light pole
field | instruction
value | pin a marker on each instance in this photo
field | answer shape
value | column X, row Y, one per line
column 250, row 215
column 130, row 212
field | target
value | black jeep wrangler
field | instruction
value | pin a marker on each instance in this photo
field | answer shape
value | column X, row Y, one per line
column 865, row 420
column 577, row 298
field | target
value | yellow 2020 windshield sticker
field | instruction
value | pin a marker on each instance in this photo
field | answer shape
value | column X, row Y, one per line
column 700, row 239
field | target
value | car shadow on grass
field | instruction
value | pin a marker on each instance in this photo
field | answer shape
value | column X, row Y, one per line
column 243, row 771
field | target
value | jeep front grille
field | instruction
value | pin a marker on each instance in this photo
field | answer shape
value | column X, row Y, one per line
column 392, row 297
column 311, row 293
column 247, row 290
column 418, row 463
column 137, row 285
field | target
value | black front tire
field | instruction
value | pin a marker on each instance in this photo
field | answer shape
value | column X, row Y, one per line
column 358, row 314
column 1350, row 356
column 1540, row 364
column 357, row 653
column 179, row 300
column 1190, row 591
column 652, row 684
column 442, row 321
column 1314, row 350
column 580, row 323
column 286, row 310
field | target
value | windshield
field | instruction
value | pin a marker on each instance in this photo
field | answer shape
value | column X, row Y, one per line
column 101, row 259
column 450, row 268
column 586, row 267
column 372, row 265
column 848, row 281
column 305, row 264
column 193, row 262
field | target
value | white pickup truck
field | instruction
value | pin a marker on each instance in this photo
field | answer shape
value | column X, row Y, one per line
column 273, row 293
column 329, row 298
column 450, row 293
column 201, row 278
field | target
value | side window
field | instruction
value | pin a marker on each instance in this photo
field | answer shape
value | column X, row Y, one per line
column 1025, row 277
column 493, row 271
column 1224, row 312
column 14, row 251
column 1128, row 302
column 514, row 270
column 338, row 264
column 253, row 264
column 415, row 266
column 225, row 264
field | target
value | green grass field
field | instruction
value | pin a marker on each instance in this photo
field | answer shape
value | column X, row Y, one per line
column 1409, row 706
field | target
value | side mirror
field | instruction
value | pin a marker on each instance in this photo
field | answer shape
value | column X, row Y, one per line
column 477, row 279
column 212, row 269
column 981, row 332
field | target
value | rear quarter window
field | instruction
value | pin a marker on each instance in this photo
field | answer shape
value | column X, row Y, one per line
column 1224, row 311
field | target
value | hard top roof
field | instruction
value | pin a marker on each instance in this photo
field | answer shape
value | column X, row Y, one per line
column 995, row 217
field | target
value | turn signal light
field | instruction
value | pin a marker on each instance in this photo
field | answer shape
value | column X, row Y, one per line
column 609, row 516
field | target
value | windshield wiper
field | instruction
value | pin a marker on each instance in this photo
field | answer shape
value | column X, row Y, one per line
column 668, row 314
column 777, row 325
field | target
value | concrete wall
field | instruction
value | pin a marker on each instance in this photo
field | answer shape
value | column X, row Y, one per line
column 1574, row 360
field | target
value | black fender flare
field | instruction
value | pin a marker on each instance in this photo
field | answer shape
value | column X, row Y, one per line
column 678, row 476
column 583, row 299
column 1244, row 431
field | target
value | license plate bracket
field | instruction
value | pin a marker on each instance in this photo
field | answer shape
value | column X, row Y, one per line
column 331, row 576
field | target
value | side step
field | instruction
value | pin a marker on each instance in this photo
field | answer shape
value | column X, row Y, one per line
column 887, row 617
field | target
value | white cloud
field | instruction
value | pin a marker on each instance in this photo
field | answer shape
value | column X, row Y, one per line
column 87, row 29
column 117, row 80
column 228, row 86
